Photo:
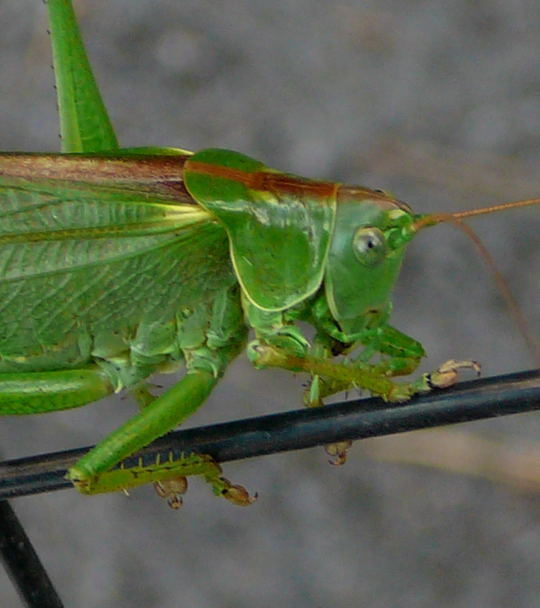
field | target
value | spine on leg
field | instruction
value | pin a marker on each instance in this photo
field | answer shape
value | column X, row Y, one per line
column 162, row 415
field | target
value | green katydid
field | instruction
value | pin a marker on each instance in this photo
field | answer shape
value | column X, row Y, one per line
column 118, row 263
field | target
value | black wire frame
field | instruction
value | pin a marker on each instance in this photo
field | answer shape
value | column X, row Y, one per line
column 22, row 563
column 292, row 430
column 299, row 429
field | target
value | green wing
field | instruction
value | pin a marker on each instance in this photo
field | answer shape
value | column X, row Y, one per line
column 79, row 261
column 279, row 225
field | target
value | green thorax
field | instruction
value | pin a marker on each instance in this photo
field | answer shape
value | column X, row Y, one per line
column 279, row 225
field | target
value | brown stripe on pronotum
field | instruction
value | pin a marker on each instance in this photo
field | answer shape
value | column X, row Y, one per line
column 267, row 180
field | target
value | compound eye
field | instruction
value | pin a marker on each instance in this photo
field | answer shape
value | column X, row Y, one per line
column 369, row 245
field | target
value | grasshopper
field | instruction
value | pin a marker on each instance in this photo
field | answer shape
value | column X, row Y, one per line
column 118, row 263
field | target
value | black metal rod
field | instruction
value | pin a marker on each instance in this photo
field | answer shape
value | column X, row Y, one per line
column 357, row 419
column 22, row 563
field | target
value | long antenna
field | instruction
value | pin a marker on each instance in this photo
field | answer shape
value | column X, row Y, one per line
column 437, row 218
column 494, row 208
column 457, row 219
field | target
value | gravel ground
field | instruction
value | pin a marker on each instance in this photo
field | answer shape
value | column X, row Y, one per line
column 435, row 101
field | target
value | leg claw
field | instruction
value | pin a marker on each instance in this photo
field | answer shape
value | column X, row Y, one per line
column 447, row 374
column 238, row 495
column 172, row 490
column 337, row 452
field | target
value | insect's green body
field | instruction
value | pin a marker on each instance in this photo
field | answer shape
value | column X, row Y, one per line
column 115, row 264
column 144, row 264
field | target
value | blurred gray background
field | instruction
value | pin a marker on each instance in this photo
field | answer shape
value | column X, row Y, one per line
column 438, row 102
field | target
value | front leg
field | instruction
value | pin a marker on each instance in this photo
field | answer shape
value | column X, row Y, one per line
column 376, row 378
column 329, row 378
column 280, row 343
column 399, row 355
